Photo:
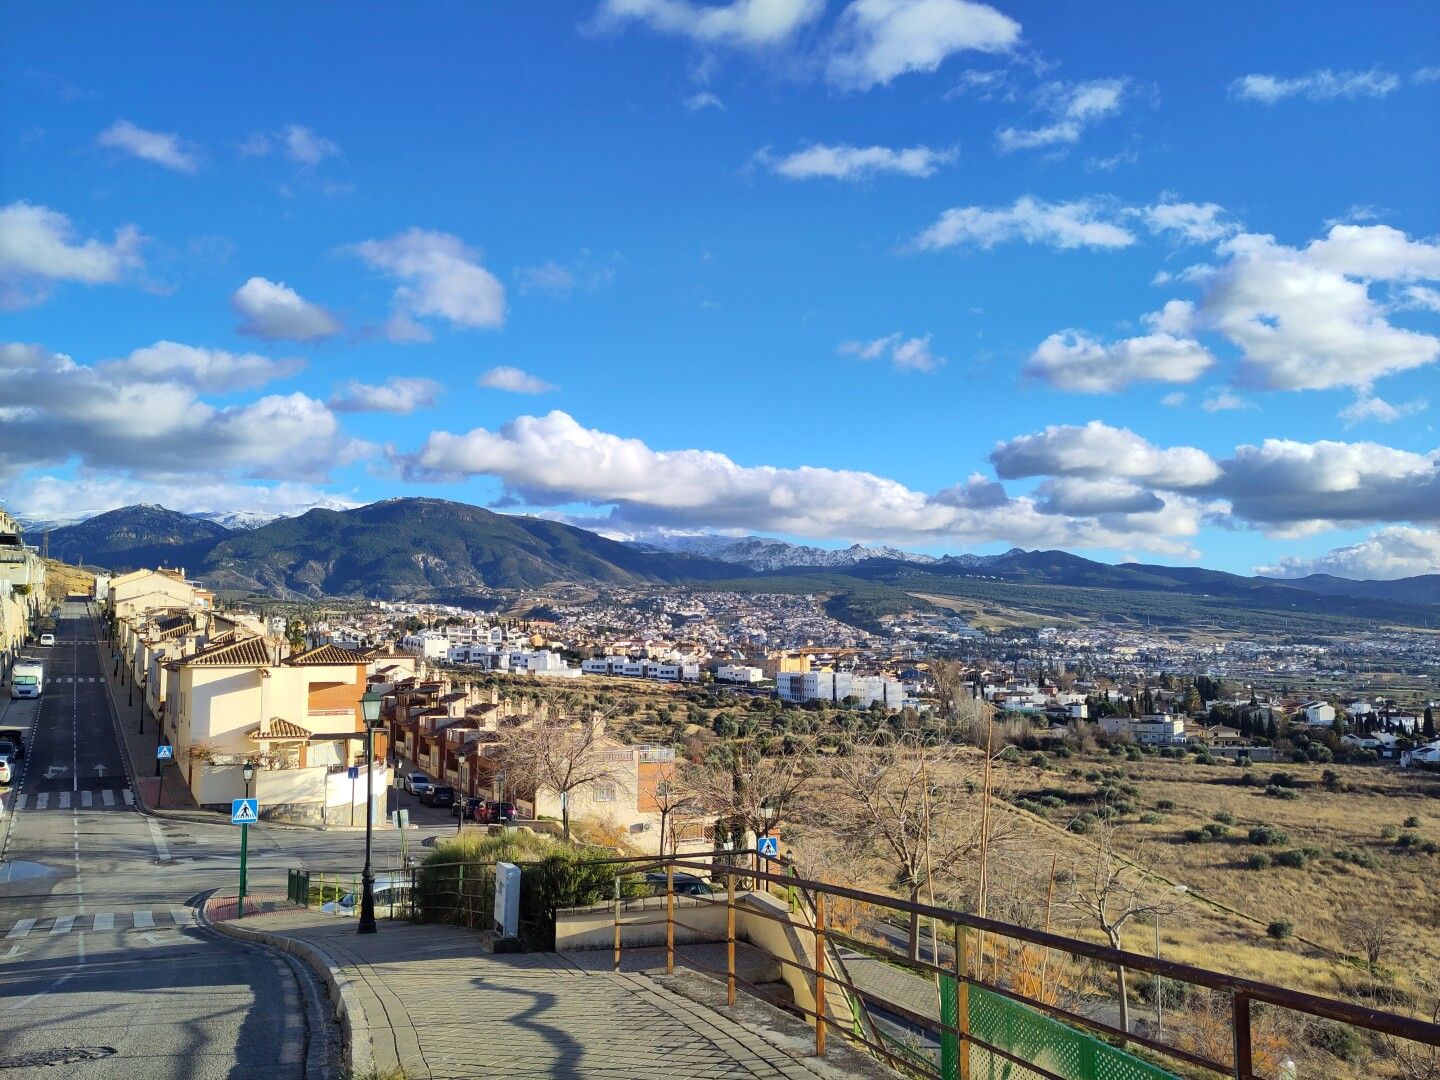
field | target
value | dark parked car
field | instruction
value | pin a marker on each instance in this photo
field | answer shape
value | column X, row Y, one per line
column 685, row 884
column 465, row 808
column 11, row 748
column 496, row 813
column 438, row 795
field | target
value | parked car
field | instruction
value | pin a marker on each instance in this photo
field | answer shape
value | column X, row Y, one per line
column 465, row 808
column 685, row 884
column 494, row 812
column 11, row 749
column 438, row 795
column 6, row 773
column 47, row 639
column 389, row 889
column 416, row 783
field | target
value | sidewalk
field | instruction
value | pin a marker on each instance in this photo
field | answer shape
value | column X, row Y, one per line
column 429, row 1000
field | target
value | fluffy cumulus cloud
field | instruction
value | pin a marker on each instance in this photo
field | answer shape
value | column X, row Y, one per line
column 1200, row 223
column 515, row 381
column 905, row 353
column 143, row 416
column 52, row 498
column 1072, row 361
column 399, row 394
column 38, row 247
column 552, row 460
column 441, row 278
column 161, row 148
column 273, row 310
column 740, row 23
column 1397, row 552
column 856, row 162
column 1083, row 223
column 875, row 41
column 1226, row 401
column 1100, row 452
column 1071, row 108
column 1323, row 85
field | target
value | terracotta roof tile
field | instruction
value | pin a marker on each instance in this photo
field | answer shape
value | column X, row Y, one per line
column 326, row 654
column 279, row 729
column 247, row 652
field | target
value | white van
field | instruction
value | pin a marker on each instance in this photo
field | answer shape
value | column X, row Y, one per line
column 27, row 680
column 47, row 640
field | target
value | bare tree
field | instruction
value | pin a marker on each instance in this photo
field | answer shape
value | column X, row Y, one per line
column 753, row 791
column 914, row 806
column 555, row 753
column 1372, row 931
column 949, row 679
column 1111, row 888
column 671, row 797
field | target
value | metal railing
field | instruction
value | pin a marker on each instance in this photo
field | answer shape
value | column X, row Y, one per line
column 986, row 1021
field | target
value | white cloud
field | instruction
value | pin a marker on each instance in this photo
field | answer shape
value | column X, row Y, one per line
column 742, row 23
column 857, row 162
column 1098, row 451
column 38, row 247
column 143, row 416
column 1226, row 401
column 1173, row 400
column 1323, row 85
column 1395, row 552
column 1421, row 298
column 879, row 40
column 1198, row 222
column 1060, row 225
column 301, row 145
column 704, row 99
column 1080, row 495
column 162, row 148
column 1426, row 75
column 515, row 381
column 1072, row 361
column 396, row 395
column 442, row 277
column 1365, row 408
column 551, row 460
column 584, row 273
column 1072, row 108
column 270, row 309
column 906, row 354
column 51, row 498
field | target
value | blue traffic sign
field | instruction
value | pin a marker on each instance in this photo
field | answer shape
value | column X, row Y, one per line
column 165, row 752
column 768, row 846
column 354, row 772
column 244, row 811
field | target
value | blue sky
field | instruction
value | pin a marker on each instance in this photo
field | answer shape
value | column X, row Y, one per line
column 952, row 276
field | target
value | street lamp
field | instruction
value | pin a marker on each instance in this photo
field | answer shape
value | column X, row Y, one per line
column 370, row 709
column 144, row 681
column 247, row 770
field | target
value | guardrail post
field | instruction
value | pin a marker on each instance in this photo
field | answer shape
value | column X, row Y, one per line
column 962, row 995
column 1240, row 1027
column 617, row 925
column 730, row 935
column 819, row 974
column 670, row 919
column 464, row 914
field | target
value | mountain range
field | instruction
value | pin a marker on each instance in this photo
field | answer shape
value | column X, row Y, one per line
column 434, row 549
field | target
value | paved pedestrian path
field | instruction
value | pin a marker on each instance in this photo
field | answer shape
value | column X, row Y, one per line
column 434, row 1003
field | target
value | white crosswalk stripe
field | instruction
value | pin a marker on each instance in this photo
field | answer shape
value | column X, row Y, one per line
column 20, row 929
column 42, row 801
column 144, row 920
column 108, row 796
column 181, row 916
column 109, row 799
column 21, row 800
column 64, row 800
column 86, row 799
column 105, row 921
column 129, row 797
column 63, row 924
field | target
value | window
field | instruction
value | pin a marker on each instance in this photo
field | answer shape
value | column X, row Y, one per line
column 604, row 791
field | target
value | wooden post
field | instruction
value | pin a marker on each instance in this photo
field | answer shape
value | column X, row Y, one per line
column 962, row 994
column 730, row 937
column 670, row 919
column 1240, row 1027
column 617, row 925
column 820, row 974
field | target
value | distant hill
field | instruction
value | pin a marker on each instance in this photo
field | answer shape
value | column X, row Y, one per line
column 432, row 548
column 1422, row 589
column 135, row 536
column 767, row 553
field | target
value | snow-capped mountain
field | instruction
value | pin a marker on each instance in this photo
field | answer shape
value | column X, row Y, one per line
column 767, row 553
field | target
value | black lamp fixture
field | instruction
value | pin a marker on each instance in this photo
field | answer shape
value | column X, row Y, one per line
column 370, row 710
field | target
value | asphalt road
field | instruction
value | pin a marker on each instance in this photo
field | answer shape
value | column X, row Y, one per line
column 103, row 970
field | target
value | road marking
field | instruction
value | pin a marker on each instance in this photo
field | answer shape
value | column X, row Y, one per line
column 42, row 801
column 105, row 921
column 129, row 797
column 180, row 915
column 21, row 928
column 108, row 797
column 63, row 923
column 14, row 952
column 144, row 920
column 86, row 799
column 21, row 800
column 64, row 800
column 162, row 851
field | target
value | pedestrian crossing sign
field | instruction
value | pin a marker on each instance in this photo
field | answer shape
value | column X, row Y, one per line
column 768, row 846
column 165, row 752
column 244, row 811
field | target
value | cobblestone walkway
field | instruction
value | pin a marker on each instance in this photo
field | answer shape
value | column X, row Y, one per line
column 438, row 1006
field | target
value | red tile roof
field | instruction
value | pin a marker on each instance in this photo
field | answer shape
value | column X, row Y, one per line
column 326, row 654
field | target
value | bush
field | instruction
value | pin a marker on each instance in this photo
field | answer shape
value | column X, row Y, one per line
column 1282, row 792
column 1094, row 776
column 1330, row 781
column 1224, row 817
column 1054, row 802
column 1029, row 805
column 1267, row 836
column 1195, row 836
column 1083, row 824
column 1281, row 929
column 1164, row 804
column 1407, row 840
column 1412, row 822
column 1356, row 858
column 1062, row 751
column 1216, row 830
column 1040, row 761
column 1149, row 817
column 1428, row 847
column 1258, row 861
column 1337, row 1040
column 1389, row 832
column 1282, row 779
column 1295, row 858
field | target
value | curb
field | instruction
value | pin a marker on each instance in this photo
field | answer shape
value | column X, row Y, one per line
column 354, row 1025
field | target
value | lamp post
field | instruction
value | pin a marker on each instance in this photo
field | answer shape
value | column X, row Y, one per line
column 248, row 772
column 370, row 709
column 145, row 681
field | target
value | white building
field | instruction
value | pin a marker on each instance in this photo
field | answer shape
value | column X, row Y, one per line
column 1318, row 713
column 427, row 644
column 739, row 673
column 836, row 686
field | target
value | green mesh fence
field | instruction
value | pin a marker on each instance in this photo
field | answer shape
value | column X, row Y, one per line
column 1034, row 1037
